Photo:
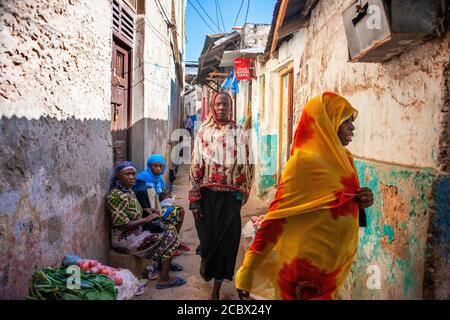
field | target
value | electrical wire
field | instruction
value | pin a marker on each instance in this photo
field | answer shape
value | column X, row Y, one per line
column 218, row 28
column 237, row 16
column 217, row 14
column 165, row 18
column 221, row 17
column 246, row 14
column 201, row 16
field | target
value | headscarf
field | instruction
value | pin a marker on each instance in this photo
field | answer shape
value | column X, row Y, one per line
column 115, row 182
column 318, row 158
column 146, row 179
column 213, row 111
column 294, row 250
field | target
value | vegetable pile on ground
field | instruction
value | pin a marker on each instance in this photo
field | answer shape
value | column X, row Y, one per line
column 94, row 266
column 52, row 284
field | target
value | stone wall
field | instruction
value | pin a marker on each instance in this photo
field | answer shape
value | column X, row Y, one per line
column 55, row 136
column 400, row 150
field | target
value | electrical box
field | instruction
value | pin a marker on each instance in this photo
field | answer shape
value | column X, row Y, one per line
column 378, row 30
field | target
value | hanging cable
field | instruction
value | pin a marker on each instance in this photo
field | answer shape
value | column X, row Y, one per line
column 246, row 14
column 217, row 15
column 165, row 18
column 218, row 28
column 201, row 16
column 237, row 16
column 221, row 17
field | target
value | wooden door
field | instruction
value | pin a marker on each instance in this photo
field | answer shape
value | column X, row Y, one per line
column 120, row 98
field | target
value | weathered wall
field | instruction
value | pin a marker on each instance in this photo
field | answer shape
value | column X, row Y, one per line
column 254, row 35
column 402, row 113
column 266, row 110
column 193, row 101
column 393, row 245
column 156, row 90
column 55, row 139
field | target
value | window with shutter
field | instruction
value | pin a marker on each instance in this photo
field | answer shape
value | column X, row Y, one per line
column 131, row 4
column 123, row 21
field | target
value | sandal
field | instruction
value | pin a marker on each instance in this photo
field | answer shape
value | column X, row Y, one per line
column 174, row 283
column 175, row 267
column 184, row 247
column 152, row 272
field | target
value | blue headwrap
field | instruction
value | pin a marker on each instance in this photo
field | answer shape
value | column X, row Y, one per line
column 146, row 179
column 115, row 182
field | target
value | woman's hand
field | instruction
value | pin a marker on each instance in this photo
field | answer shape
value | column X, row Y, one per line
column 164, row 194
column 197, row 213
column 244, row 295
column 153, row 214
column 364, row 198
column 196, row 210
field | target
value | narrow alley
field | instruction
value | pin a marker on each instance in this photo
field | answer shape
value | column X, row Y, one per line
column 196, row 288
column 331, row 117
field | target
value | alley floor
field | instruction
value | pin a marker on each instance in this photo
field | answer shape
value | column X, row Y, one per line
column 196, row 288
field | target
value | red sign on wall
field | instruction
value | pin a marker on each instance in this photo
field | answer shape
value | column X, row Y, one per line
column 242, row 68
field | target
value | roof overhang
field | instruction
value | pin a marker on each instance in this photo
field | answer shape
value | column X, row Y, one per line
column 229, row 56
column 288, row 17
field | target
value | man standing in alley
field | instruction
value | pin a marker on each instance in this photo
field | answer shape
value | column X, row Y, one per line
column 188, row 124
column 220, row 180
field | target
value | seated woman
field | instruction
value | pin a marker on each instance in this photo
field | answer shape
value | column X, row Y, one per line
column 152, row 179
column 128, row 235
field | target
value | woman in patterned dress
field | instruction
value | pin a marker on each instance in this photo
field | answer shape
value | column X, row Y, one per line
column 128, row 235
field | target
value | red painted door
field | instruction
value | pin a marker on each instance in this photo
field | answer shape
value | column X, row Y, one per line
column 120, row 111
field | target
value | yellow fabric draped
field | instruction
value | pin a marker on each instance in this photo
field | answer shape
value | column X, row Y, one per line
column 307, row 241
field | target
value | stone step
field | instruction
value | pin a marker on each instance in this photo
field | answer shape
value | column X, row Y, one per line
column 135, row 264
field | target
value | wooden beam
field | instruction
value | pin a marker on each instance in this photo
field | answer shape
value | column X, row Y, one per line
column 218, row 74
column 207, row 84
column 291, row 27
column 175, row 46
column 279, row 23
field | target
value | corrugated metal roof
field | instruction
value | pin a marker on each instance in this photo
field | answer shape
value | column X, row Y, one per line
column 210, row 58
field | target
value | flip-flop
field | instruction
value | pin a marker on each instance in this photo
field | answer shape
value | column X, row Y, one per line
column 174, row 283
column 175, row 267
column 152, row 272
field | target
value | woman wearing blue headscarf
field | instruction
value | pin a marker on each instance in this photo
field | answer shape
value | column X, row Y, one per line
column 152, row 178
column 128, row 235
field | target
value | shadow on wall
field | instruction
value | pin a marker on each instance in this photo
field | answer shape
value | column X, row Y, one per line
column 148, row 136
column 55, row 175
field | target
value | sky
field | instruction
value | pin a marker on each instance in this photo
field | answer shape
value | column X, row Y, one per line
column 260, row 11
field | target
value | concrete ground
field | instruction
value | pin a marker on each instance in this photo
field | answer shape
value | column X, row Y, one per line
column 196, row 288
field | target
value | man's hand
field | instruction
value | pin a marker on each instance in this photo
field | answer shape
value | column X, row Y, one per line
column 364, row 198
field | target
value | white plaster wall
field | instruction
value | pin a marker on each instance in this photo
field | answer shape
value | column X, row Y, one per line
column 53, row 56
column 289, row 52
column 399, row 101
column 55, row 135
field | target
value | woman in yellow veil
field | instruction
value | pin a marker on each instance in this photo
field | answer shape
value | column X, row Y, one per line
column 307, row 241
